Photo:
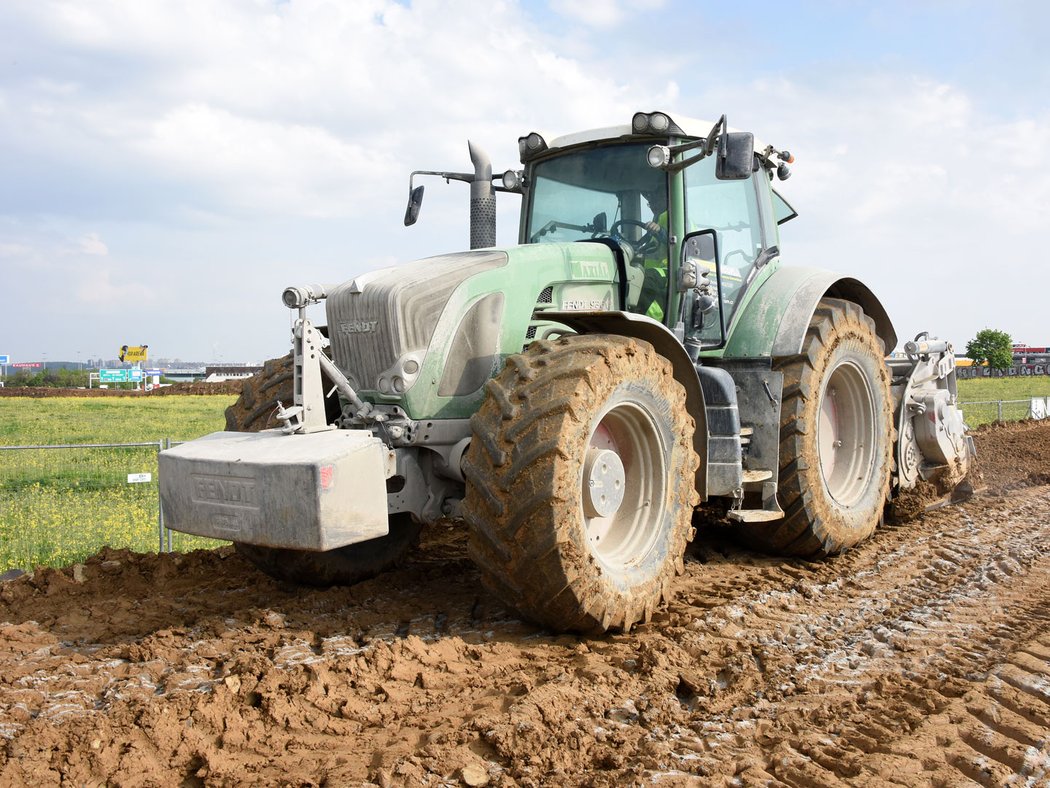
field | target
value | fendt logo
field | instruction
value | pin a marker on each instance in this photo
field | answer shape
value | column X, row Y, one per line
column 229, row 490
column 358, row 326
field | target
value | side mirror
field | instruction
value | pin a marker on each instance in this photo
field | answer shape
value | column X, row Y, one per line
column 415, row 202
column 600, row 223
column 735, row 159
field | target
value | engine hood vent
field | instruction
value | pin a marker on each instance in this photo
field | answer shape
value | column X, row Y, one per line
column 383, row 321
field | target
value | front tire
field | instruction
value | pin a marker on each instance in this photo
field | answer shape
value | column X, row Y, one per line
column 581, row 482
column 255, row 410
column 836, row 437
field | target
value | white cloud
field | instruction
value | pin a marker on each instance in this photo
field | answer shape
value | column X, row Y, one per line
column 96, row 286
column 255, row 142
column 261, row 165
column 14, row 251
column 308, row 108
column 91, row 244
column 605, row 14
column 905, row 184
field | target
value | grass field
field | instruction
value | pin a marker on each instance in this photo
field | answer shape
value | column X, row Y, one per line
column 1004, row 388
column 1014, row 392
column 58, row 506
column 50, row 420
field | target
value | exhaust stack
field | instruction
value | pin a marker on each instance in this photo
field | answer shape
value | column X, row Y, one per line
column 482, row 200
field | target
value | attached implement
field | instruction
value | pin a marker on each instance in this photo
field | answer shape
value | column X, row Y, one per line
column 573, row 399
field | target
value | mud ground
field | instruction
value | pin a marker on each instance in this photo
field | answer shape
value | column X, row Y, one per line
column 921, row 658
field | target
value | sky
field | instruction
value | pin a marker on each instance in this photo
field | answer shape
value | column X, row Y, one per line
column 168, row 168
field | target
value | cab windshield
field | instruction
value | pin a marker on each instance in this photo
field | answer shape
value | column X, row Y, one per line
column 608, row 191
column 594, row 192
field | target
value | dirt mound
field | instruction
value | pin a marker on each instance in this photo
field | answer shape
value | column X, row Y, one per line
column 1012, row 454
column 922, row 657
column 225, row 387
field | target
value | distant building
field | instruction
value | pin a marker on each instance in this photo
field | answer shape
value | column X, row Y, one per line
column 218, row 374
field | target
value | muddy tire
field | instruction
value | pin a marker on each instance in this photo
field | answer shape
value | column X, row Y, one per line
column 255, row 410
column 343, row 566
column 581, row 483
column 836, row 437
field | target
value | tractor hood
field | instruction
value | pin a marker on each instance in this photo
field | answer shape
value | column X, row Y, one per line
column 428, row 334
column 381, row 324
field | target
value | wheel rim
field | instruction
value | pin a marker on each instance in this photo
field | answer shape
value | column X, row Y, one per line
column 846, row 434
column 623, row 486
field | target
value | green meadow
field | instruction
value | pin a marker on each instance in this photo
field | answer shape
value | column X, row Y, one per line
column 58, row 506
column 1015, row 393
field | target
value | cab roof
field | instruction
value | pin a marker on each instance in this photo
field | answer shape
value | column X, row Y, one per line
column 643, row 125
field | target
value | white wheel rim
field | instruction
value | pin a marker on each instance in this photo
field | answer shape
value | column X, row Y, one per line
column 630, row 527
column 846, row 433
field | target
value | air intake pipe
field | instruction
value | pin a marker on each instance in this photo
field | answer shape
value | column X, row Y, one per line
column 482, row 200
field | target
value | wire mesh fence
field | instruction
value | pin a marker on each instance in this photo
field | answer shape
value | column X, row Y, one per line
column 60, row 504
column 978, row 413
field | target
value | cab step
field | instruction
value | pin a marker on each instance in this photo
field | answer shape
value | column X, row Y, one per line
column 770, row 509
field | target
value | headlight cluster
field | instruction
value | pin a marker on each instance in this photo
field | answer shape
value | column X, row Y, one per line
column 653, row 123
column 531, row 145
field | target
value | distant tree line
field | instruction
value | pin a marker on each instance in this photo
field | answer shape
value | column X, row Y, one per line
column 991, row 346
column 49, row 378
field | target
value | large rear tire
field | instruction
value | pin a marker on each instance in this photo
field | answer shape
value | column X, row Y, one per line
column 581, row 482
column 343, row 566
column 836, row 437
column 255, row 410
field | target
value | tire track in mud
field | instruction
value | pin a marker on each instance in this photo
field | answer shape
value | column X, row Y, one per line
column 918, row 658
column 918, row 641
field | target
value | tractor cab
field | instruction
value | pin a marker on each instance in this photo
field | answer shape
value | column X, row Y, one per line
column 686, row 207
column 690, row 206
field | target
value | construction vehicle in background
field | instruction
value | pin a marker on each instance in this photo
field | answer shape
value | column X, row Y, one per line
column 574, row 398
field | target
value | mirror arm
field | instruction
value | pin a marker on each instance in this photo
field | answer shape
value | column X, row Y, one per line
column 707, row 145
column 681, row 165
column 466, row 177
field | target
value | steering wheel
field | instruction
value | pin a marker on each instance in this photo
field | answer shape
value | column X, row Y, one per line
column 649, row 238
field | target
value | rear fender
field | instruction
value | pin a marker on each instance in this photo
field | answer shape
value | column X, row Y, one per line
column 667, row 345
column 775, row 320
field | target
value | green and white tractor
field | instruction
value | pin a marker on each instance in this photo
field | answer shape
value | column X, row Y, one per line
column 575, row 398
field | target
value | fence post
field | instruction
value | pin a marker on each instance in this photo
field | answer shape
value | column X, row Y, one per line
column 167, row 445
column 160, row 511
column 999, row 409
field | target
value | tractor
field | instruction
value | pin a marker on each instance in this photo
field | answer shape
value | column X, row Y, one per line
column 640, row 355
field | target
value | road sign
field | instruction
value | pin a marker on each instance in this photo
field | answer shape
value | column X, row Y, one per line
column 112, row 375
column 135, row 375
column 4, row 360
column 133, row 352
